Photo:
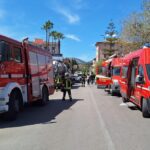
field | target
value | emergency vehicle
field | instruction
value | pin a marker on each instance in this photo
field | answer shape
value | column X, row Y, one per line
column 114, row 86
column 26, row 75
column 104, row 79
column 135, row 79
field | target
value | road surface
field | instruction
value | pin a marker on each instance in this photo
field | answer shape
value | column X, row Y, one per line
column 93, row 121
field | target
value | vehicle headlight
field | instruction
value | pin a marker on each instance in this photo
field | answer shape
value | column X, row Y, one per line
column 115, row 82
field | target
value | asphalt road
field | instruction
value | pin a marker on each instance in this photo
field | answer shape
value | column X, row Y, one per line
column 93, row 121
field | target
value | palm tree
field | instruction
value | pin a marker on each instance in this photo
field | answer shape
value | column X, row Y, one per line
column 53, row 34
column 47, row 27
column 59, row 37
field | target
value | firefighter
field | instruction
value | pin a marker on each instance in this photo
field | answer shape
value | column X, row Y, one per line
column 88, row 79
column 58, row 82
column 83, row 80
column 66, row 86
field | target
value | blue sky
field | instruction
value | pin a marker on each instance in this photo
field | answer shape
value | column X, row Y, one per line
column 81, row 21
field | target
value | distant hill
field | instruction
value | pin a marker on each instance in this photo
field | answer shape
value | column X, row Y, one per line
column 79, row 61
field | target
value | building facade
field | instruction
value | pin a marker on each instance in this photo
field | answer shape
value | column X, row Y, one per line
column 101, row 53
column 53, row 47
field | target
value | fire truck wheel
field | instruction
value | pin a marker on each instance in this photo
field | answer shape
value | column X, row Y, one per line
column 14, row 106
column 111, row 92
column 44, row 96
column 145, row 111
column 125, row 100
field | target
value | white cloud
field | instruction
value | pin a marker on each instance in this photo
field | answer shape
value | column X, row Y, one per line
column 72, row 37
column 71, row 17
column 66, row 9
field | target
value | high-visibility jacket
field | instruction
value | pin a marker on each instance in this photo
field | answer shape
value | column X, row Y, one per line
column 67, row 84
column 58, row 80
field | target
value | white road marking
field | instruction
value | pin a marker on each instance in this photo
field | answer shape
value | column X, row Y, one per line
column 123, row 104
column 102, row 124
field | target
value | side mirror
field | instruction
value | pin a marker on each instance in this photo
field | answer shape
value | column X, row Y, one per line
column 139, row 79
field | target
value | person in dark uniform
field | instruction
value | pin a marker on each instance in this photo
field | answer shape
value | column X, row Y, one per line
column 83, row 80
column 66, row 86
column 58, row 82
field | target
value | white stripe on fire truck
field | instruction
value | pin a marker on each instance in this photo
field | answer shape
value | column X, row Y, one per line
column 11, row 75
column 4, row 76
column 122, row 82
column 17, row 75
column 143, row 88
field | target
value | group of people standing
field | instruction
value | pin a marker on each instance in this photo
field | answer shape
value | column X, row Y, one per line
column 64, row 83
column 89, row 78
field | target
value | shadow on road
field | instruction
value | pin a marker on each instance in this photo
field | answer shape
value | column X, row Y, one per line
column 40, row 115
column 134, row 108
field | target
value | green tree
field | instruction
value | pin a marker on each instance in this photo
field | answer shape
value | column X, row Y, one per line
column 53, row 34
column 98, row 67
column 136, row 27
column 59, row 36
column 111, row 38
column 47, row 26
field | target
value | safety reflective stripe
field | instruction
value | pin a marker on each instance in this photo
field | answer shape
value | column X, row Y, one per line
column 123, row 82
column 17, row 75
column 4, row 76
column 67, row 85
column 143, row 88
column 11, row 75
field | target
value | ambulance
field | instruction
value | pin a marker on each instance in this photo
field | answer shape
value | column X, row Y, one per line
column 135, row 79
column 26, row 75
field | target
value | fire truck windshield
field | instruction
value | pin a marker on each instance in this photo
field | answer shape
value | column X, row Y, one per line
column 4, row 51
column 104, row 70
column 116, row 71
column 148, row 70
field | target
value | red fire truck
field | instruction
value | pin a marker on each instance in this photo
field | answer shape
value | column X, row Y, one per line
column 135, row 79
column 104, row 79
column 26, row 75
column 114, row 87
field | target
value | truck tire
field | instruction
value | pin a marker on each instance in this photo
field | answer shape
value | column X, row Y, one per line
column 44, row 96
column 14, row 106
column 111, row 91
column 145, row 111
column 125, row 100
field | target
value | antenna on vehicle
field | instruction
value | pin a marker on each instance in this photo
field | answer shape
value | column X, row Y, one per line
column 25, row 40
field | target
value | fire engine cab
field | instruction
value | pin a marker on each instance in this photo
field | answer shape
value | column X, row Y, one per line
column 114, row 87
column 103, row 80
column 135, row 79
column 26, row 75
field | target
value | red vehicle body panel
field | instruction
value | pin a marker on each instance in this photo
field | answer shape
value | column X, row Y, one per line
column 24, row 72
column 135, row 93
column 104, row 80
